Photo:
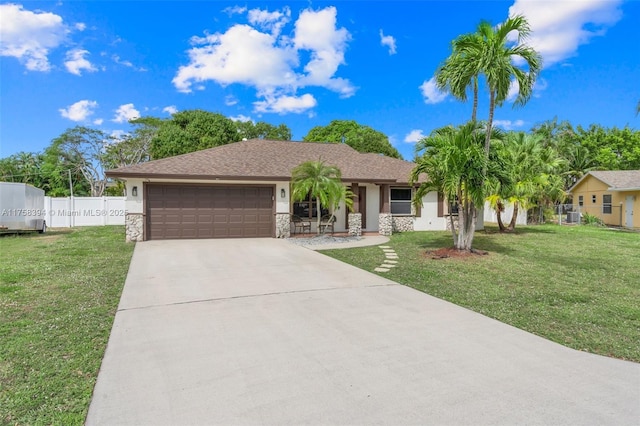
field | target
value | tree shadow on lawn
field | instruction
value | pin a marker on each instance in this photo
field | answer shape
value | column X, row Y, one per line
column 446, row 242
column 530, row 229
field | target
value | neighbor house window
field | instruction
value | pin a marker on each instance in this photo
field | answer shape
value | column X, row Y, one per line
column 581, row 200
column 308, row 208
column 401, row 201
column 606, row 204
column 593, row 199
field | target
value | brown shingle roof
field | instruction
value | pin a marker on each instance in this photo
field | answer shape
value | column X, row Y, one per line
column 619, row 179
column 258, row 159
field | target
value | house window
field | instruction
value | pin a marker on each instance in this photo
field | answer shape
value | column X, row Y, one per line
column 581, row 200
column 308, row 208
column 606, row 204
column 401, row 201
column 593, row 199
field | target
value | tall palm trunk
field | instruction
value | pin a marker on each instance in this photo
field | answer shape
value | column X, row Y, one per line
column 499, row 210
column 475, row 100
column 466, row 226
column 492, row 107
column 512, row 224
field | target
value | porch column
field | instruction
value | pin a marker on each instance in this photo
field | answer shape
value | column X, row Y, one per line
column 384, row 199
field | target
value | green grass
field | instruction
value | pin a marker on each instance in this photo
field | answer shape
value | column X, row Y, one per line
column 58, row 295
column 578, row 286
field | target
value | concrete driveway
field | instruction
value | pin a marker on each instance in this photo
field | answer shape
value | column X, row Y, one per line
column 265, row 332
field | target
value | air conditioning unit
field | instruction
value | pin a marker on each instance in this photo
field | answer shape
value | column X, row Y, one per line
column 573, row 217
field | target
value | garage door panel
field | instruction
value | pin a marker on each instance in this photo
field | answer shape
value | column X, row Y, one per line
column 200, row 211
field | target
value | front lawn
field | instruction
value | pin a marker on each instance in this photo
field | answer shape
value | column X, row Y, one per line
column 578, row 286
column 58, row 295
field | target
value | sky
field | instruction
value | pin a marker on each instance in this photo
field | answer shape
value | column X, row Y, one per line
column 301, row 63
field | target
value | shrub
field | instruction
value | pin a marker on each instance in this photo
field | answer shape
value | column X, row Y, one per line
column 590, row 219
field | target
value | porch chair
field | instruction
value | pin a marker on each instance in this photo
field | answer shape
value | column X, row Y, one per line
column 326, row 223
column 300, row 224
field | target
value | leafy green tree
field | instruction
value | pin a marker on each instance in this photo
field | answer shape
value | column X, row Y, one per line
column 192, row 130
column 357, row 136
column 612, row 149
column 24, row 167
column 263, row 130
column 81, row 150
column 453, row 163
column 322, row 182
column 58, row 168
column 134, row 147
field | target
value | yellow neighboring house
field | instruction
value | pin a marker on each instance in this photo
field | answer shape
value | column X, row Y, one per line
column 613, row 196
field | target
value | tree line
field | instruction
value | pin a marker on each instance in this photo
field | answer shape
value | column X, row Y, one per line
column 78, row 158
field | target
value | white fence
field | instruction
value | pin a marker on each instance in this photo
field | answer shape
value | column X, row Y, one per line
column 84, row 211
column 507, row 214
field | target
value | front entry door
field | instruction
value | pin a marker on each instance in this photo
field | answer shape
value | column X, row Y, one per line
column 362, row 202
column 629, row 214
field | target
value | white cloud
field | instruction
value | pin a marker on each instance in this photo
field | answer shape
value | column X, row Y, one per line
column 508, row 124
column 98, row 121
column 558, row 28
column 431, row 93
column 234, row 10
column 317, row 32
column 80, row 26
column 76, row 62
column 241, row 55
column 269, row 62
column 283, row 104
column 514, row 89
column 119, row 61
column 230, row 100
column 125, row 112
column 242, row 118
column 79, row 111
column 414, row 136
column 541, row 85
column 271, row 21
column 29, row 36
column 389, row 41
column 171, row 109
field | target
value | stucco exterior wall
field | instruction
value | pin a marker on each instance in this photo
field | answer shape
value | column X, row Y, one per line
column 428, row 219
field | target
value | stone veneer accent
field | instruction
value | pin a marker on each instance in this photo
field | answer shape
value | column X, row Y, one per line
column 402, row 223
column 385, row 224
column 134, row 227
column 283, row 225
column 355, row 224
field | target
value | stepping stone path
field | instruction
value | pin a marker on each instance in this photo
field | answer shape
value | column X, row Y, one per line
column 391, row 260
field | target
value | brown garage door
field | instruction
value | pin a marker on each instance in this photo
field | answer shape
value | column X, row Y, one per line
column 206, row 211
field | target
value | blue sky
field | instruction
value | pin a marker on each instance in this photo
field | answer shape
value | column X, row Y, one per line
column 303, row 64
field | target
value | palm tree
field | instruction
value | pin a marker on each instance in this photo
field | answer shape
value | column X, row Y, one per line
column 454, row 164
column 489, row 52
column 534, row 172
column 497, row 64
column 460, row 70
column 322, row 182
